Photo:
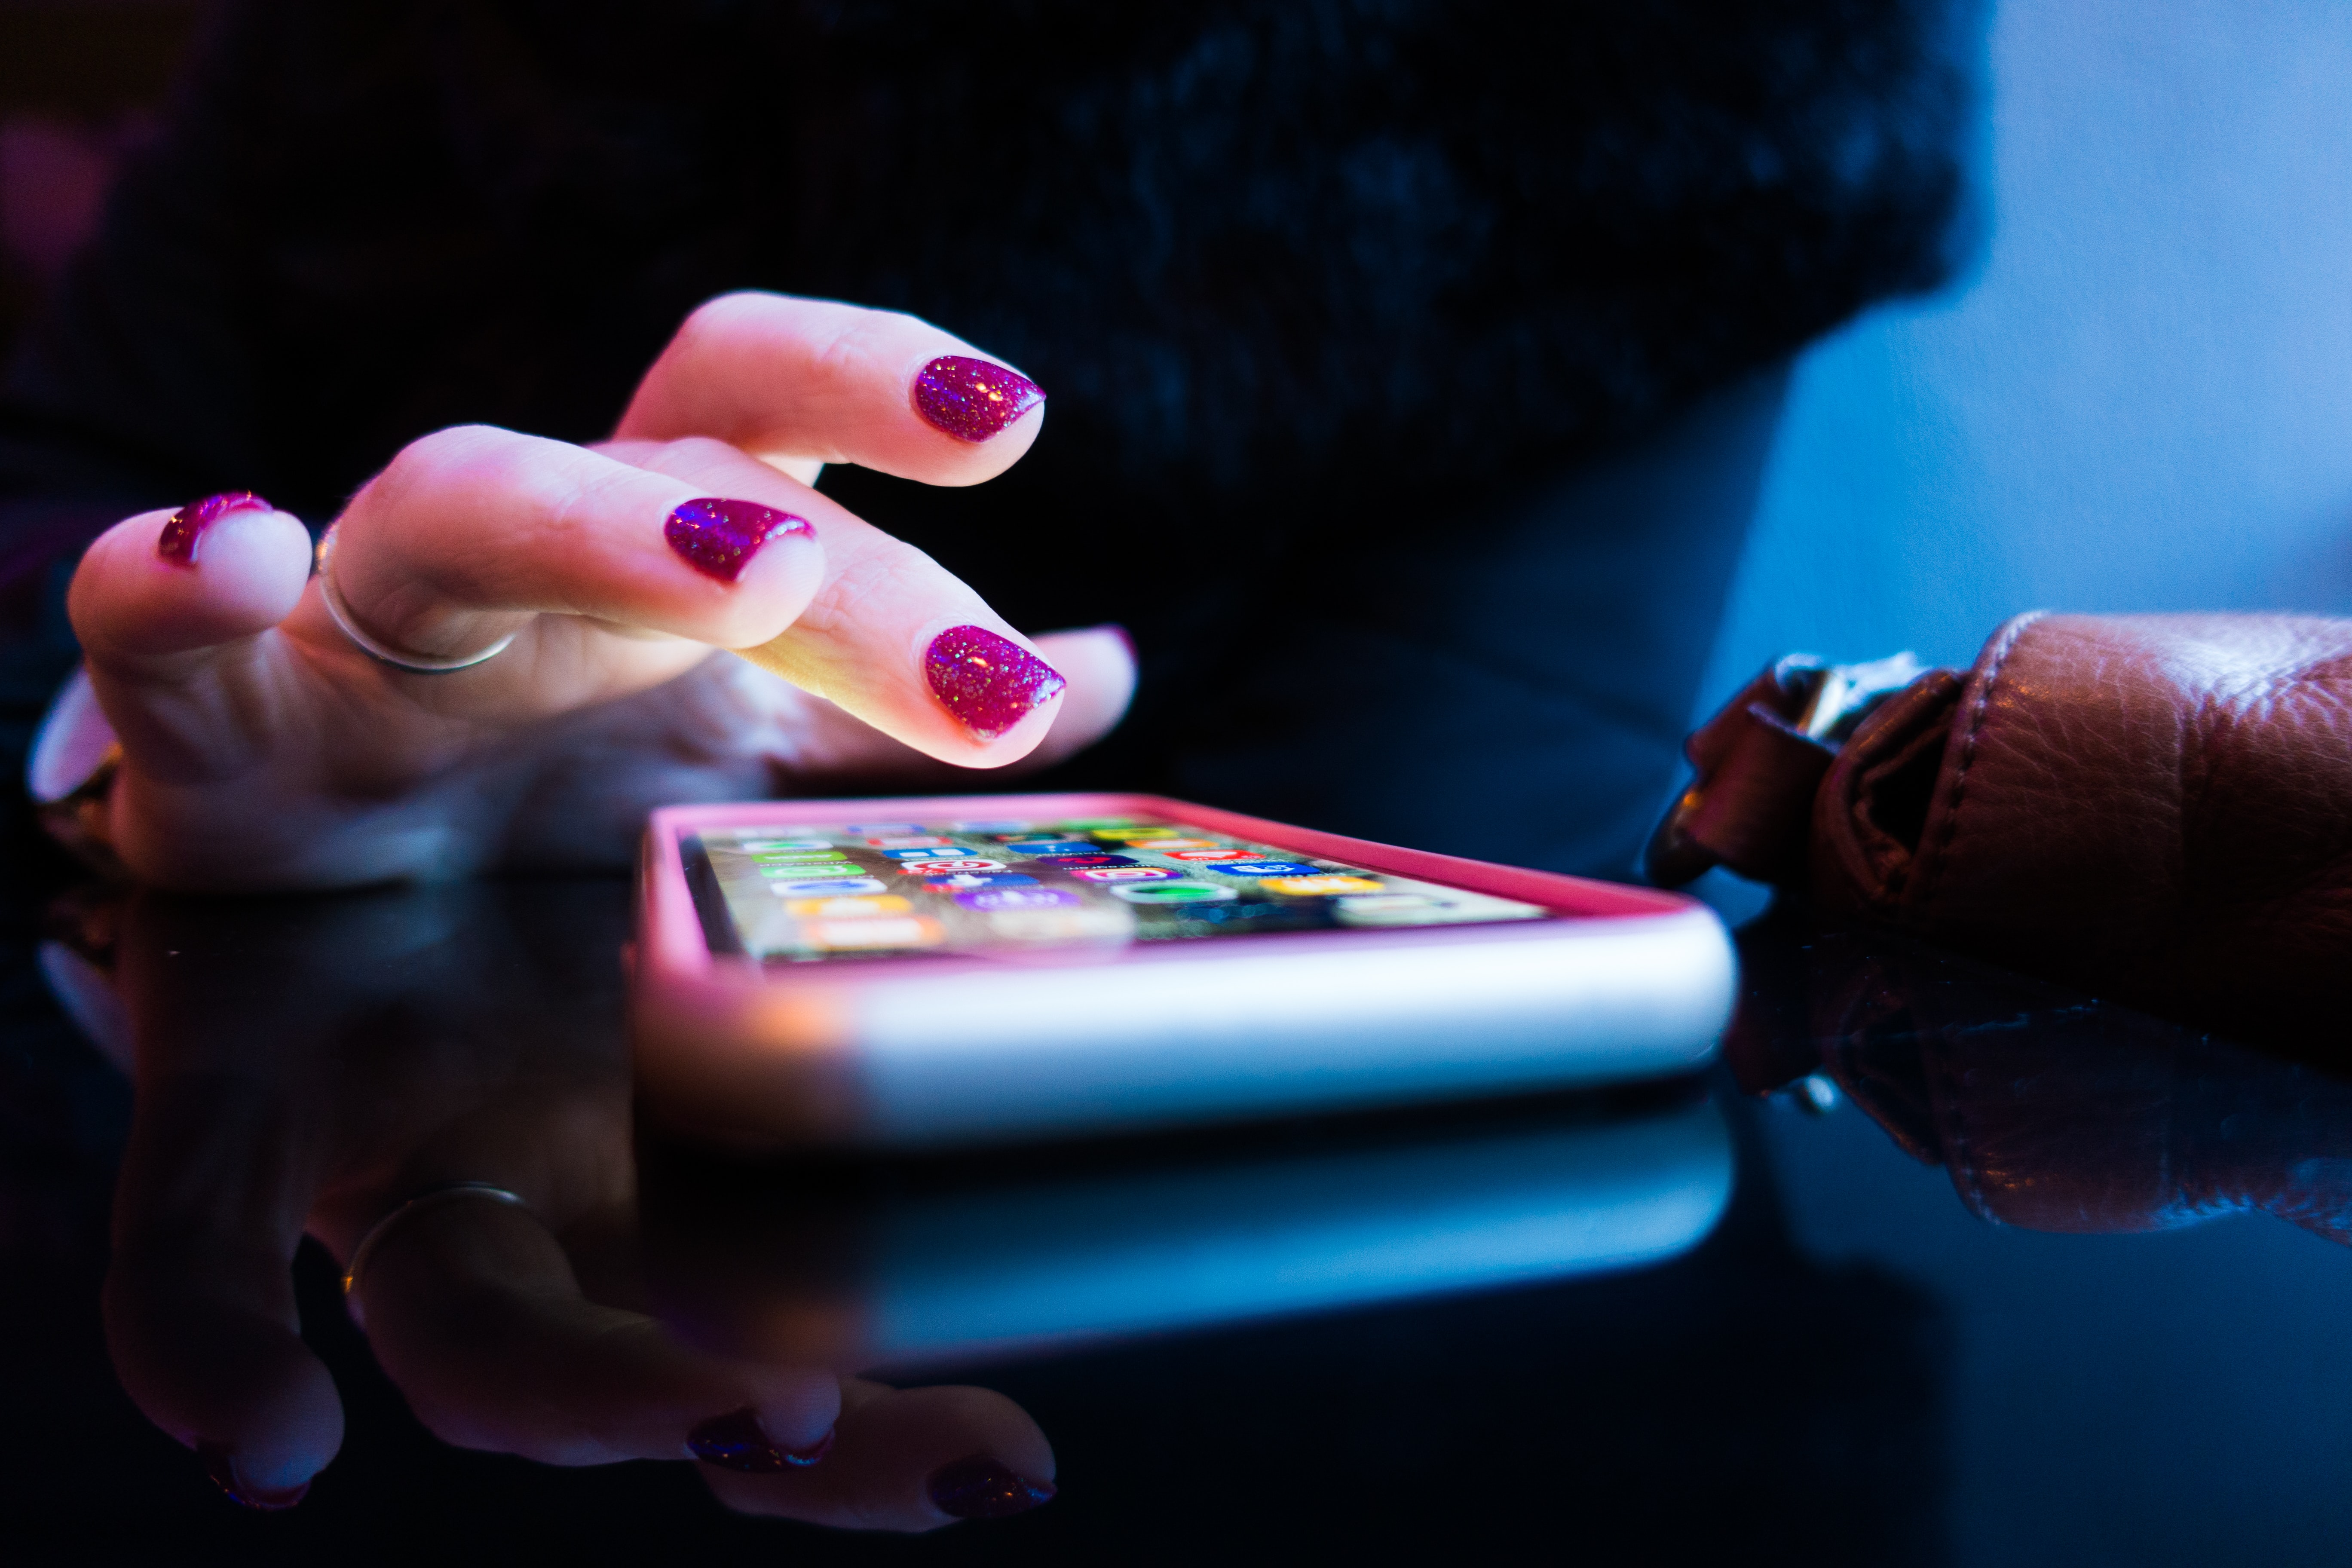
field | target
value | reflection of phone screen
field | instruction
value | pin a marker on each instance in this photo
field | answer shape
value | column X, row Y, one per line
column 864, row 890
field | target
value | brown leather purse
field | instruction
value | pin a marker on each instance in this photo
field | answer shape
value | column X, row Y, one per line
column 2157, row 807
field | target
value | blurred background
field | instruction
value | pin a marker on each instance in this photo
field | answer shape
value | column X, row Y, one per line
column 80, row 81
column 2140, row 397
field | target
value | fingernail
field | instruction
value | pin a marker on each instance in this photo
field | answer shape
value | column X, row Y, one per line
column 184, row 530
column 718, row 536
column 221, row 1465
column 972, row 399
column 986, row 681
column 980, row 1487
column 736, row 1441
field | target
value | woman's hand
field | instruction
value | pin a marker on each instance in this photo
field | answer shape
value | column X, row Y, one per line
column 264, row 747
column 309, row 1066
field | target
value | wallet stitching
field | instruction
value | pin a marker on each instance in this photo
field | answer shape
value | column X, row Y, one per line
column 1951, row 823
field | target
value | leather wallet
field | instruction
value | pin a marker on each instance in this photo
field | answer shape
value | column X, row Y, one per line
column 2156, row 807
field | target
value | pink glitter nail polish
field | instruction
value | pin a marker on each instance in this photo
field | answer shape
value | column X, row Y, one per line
column 184, row 531
column 718, row 536
column 987, row 682
column 972, row 399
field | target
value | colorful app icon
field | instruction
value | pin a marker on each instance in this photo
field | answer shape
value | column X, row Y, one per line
column 911, row 841
column 929, row 852
column 819, row 869
column 1265, row 869
column 991, row 827
column 851, row 936
column 795, row 856
column 768, row 846
column 1087, row 823
column 1173, row 893
column 1209, row 855
column 1168, row 846
column 1122, row 835
column 826, row 889
column 1128, row 874
column 1325, row 885
column 865, row 828
column 1071, row 862
column 994, row 897
column 936, row 867
column 1051, row 847
column 847, row 909
column 956, row 880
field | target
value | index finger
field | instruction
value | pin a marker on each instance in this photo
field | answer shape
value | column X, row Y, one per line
column 891, row 637
column 785, row 378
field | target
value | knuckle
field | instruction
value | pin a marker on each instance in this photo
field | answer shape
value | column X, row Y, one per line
column 719, row 318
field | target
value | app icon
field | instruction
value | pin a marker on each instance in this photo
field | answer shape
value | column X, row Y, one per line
column 1165, row 846
column 1210, row 855
column 1074, row 862
column 1128, row 874
column 991, row 827
column 1173, row 893
column 930, row 852
column 865, row 828
column 1265, row 869
column 911, row 841
column 796, row 856
column 1087, row 823
column 1325, row 885
column 991, row 898
column 930, row 867
column 803, row 873
column 767, row 846
column 826, row 888
column 909, row 931
column 847, row 909
column 1051, row 847
column 955, row 879
column 1122, row 835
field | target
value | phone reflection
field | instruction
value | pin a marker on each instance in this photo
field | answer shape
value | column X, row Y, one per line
column 306, row 1067
column 2050, row 1110
column 907, row 1264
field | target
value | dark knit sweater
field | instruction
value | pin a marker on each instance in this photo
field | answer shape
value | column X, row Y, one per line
column 1411, row 361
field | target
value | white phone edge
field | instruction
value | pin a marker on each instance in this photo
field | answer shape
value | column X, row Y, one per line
column 1227, row 1031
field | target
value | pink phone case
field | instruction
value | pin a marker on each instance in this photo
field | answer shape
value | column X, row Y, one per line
column 941, row 1050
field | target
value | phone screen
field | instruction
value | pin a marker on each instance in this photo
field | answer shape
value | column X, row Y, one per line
column 804, row 894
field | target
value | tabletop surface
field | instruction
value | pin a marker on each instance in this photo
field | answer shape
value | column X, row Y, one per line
column 1939, row 1266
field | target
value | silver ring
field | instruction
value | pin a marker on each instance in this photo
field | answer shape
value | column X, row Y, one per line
column 341, row 614
column 432, row 1197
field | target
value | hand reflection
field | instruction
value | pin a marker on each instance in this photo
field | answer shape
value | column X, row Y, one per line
column 308, row 1066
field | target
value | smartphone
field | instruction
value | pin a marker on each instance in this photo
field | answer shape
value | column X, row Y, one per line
column 961, row 969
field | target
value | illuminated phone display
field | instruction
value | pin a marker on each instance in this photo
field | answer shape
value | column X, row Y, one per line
column 874, row 890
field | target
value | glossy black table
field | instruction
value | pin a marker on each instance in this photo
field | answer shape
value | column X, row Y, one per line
column 1941, row 1266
